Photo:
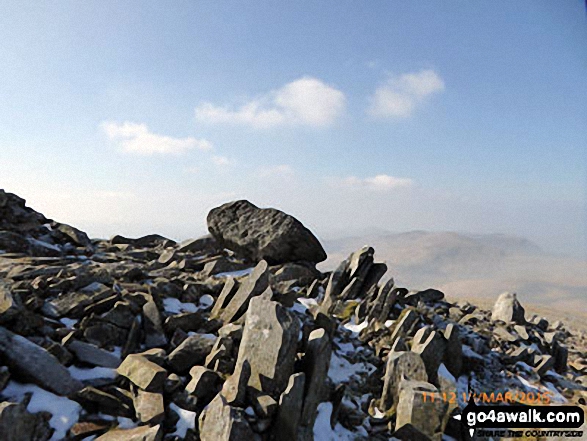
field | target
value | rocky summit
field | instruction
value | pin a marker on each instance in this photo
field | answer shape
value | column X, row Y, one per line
column 237, row 336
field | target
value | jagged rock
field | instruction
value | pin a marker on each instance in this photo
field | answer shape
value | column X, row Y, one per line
column 290, row 409
column 143, row 373
column 31, row 362
column 264, row 406
column 202, row 245
column 263, row 234
column 453, row 355
column 91, row 354
column 96, row 400
column 204, row 385
column 72, row 234
column 142, row 433
column 152, row 327
column 255, row 284
column 17, row 424
column 269, row 344
column 234, row 389
column 431, row 346
column 545, row 363
column 316, row 363
column 421, row 406
column 560, row 354
column 86, row 429
column 400, row 366
column 221, row 357
column 228, row 291
column 149, row 406
column 73, row 304
column 221, row 422
column 9, row 306
column 192, row 351
column 426, row 296
column 508, row 309
column 406, row 321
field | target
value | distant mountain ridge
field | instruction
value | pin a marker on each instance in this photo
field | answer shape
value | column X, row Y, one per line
column 474, row 265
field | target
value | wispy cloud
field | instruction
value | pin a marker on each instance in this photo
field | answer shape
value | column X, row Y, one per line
column 222, row 161
column 282, row 170
column 136, row 138
column 375, row 183
column 306, row 101
column 400, row 95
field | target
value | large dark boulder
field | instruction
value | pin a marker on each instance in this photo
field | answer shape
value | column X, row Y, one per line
column 263, row 233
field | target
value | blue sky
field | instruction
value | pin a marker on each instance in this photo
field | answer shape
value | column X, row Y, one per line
column 134, row 117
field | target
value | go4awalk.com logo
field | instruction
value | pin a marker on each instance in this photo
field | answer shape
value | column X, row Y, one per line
column 519, row 421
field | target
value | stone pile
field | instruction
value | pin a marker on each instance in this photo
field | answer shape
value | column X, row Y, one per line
column 238, row 336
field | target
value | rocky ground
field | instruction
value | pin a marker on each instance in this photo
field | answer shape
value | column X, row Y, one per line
column 237, row 336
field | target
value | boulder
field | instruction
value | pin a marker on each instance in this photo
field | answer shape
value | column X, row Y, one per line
column 221, row 422
column 263, row 234
column 192, row 351
column 431, row 346
column 17, row 424
column 508, row 309
column 30, row 362
column 143, row 373
column 204, row 384
column 400, row 366
column 421, row 406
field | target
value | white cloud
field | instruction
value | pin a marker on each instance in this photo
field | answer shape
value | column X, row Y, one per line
column 221, row 161
column 282, row 170
column 136, row 138
column 399, row 96
column 305, row 101
column 376, row 183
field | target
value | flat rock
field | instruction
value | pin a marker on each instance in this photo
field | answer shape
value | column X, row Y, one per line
column 143, row 373
column 31, row 362
column 142, row 433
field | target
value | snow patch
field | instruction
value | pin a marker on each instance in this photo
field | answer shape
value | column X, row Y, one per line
column 174, row 306
column 238, row 273
column 187, row 420
column 65, row 412
column 323, row 431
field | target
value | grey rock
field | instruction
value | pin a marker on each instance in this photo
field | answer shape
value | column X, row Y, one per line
column 508, row 309
column 73, row 304
column 453, row 356
column 255, row 284
column 142, row 433
column 204, row 384
column 289, row 413
column 143, row 373
column 192, row 351
column 417, row 408
column 406, row 321
column 9, row 305
column 263, row 234
column 400, row 366
column 431, row 346
column 152, row 327
column 222, row 422
column 316, row 363
column 427, row 296
column 31, row 362
column 228, row 291
column 264, row 405
column 269, row 344
column 91, row 354
column 149, row 406
column 17, row 424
